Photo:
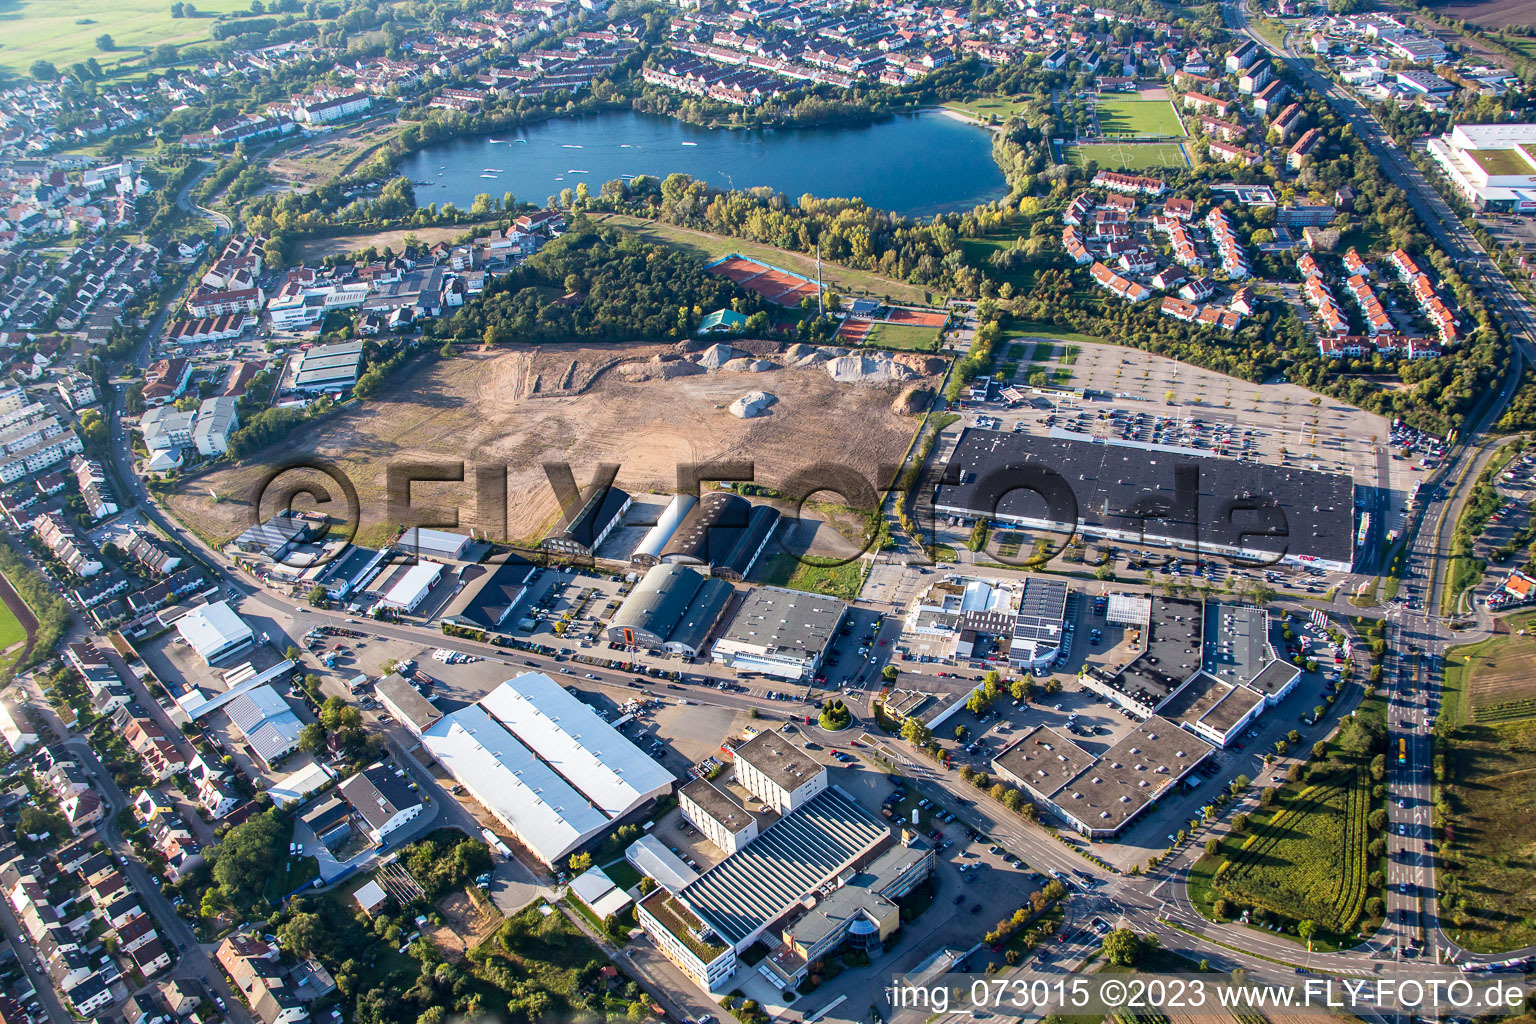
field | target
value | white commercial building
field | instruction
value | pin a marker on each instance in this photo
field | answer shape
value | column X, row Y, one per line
column 1492, row 165
column 779, row 773
column 15, row 728
column 545, row 765
column 214, row 631
column 411, row 589
column 425, row 543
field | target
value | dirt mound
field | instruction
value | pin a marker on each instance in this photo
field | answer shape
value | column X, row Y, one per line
column 659, row 367
column 868, row 370
column 814, row 359
column 925, row 365
column 914, row 398
column 744, row 365
column 690, row 345
column 753, row 403
column 718, row 355
column 758, row 346
column 799, row 350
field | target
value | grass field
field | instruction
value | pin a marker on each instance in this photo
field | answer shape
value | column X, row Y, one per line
column 65, row 31
column 1131, row 156
column 1035, row 329
column 1132, row 116
column 987, row 107
column 905, row 337
column 835, row 278
column 785, row 570
column 11, row 629
column 1495, row 681
column 1488, row 784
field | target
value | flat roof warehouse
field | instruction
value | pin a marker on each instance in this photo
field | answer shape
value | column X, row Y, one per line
column 1125, row 492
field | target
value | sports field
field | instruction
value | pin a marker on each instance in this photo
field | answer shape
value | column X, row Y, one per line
column 1131, row 156
column 65, row 31
column 907, row 337
column 11, row 629
column 1138, row 118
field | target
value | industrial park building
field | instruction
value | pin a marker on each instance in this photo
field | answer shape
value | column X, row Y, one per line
column 545, row 765
column 780, row 632
column 673, row 607
column 1185, row 498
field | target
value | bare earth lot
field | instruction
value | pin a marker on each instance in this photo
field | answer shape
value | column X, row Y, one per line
column 497, row 408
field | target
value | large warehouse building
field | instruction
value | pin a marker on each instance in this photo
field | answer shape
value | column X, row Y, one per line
column 1099, row 796
column 648, row 551
column 1492, row 165
column 780, row 632
column 214, row 631
column 722, row 533
column 588, row 521
column 1184, row 499
column 545, row 765
column 673, row 607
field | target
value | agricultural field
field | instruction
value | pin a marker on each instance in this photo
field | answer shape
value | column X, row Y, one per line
column 1130, row 156
column 585, row 404
column 1495, row 680
column 1133, row 117
column 65, row 31
column 1487, row 772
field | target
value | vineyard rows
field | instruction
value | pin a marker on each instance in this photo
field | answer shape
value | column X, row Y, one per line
column 1506, row 711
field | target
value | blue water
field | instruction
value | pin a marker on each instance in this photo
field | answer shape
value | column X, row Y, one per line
column 914, row 164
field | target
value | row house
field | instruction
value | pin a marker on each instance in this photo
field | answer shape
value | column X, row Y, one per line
column 1197, row 289
column 1078, row 210
column 252, row 964
column 161, row 756
column 1355, row 263
column 1376, row 319
column 1130, row 184
column 60, row 537
column 206, row 302
column 1121, row 287
column 1329, row 318
column 1226, row 152
column 1430, row 303
column 1071, row 241
column 215, row 792
column 211, row 328
column 1179, row 208
column 1234, row 260
column 94, row 489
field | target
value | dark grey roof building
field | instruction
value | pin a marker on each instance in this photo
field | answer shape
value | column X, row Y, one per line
column 588, row 520
column 1155, row 495
column 672, row 606
column 490, row 594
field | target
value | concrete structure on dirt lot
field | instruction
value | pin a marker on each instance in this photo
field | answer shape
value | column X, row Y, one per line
column 545, row 765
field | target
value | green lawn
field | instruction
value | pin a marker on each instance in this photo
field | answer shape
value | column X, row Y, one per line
column 292, row 873
column 905, row 337
column 835, row 278
column 1133, row 116
column 11, row 629
column 1035, row 329
column 65, row 31
column 988, row 107
column 1133, row 156
column 786, row 570
column 1493, row 681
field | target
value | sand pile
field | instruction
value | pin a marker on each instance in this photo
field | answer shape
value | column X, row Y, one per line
column 914, row 398
column 868, row 370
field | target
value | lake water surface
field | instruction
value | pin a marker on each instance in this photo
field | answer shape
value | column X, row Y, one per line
column 915, row 164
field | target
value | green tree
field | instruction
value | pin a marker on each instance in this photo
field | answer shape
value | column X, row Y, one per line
column 44, row 71
column 889, row 673
column 243, row 860
column 104, row 43
column 1121, row 947
column 1306, row 929
column 580, row 862
column 312, row 738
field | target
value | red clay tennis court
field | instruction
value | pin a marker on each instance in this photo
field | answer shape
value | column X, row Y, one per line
column 917, row 317
column 775, row 285
column 854, row 332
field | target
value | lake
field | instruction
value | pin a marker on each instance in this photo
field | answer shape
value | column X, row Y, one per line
column 915, row 164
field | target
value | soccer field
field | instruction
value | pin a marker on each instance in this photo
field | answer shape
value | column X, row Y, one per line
column 1139, row 118
column 1132, row 156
